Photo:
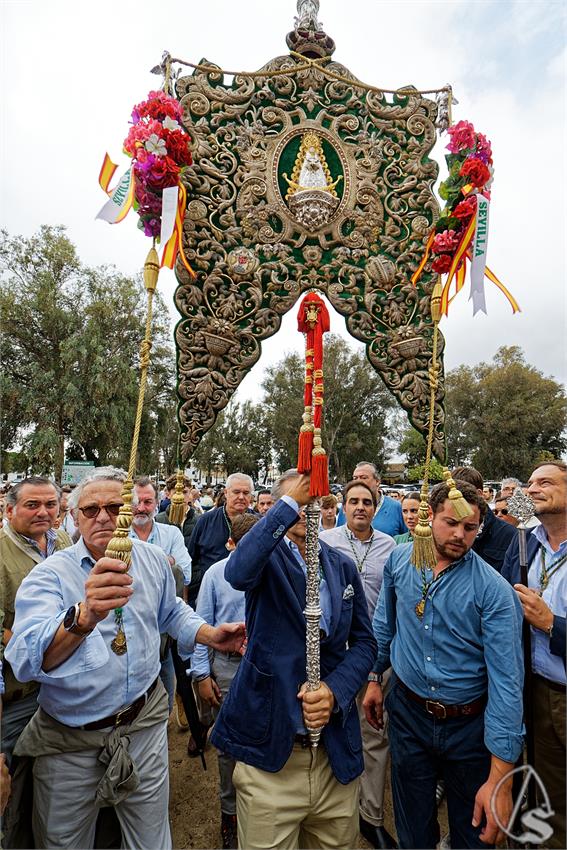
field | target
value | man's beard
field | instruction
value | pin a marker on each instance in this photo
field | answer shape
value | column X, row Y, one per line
column 450, row 554
column 141, row 519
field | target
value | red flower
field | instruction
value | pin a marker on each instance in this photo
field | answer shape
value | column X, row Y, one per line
column 466, row 209
column 475, row 171
column 164, row 173
column 177, row 143
column 442, row 263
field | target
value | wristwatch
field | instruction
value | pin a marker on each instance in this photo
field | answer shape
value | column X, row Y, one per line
column 375, row 677
column 71, row 621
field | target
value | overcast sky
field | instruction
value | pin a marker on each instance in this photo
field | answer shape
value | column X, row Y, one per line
column 71, row 72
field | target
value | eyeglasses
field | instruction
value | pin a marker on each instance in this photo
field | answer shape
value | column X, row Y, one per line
column 92, row 511
column 503, row 512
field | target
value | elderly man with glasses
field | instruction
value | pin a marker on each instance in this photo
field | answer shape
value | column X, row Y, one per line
column 88, row 630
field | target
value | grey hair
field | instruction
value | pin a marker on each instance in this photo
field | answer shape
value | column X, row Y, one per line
column 277, row 489
column 101, row 473
column 144, row 481
column 368, row 463
column 11, row 497
column 510, row 481
column 239, row 476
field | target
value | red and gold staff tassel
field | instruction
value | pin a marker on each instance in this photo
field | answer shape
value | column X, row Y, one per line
column 313, row 320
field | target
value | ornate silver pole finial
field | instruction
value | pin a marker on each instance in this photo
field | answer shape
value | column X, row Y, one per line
column 521, row 506
column 307, row 11
column 313, row 607
column 445, row 100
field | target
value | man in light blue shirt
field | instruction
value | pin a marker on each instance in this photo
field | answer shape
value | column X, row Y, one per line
column 388, row 513
column 87, row 628
column 170, row 540
column 453, row 637
column 219, row 602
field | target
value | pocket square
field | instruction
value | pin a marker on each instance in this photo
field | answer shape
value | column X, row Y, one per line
column 348, row 592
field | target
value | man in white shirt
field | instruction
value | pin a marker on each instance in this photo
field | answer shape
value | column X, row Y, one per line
column 369, row 549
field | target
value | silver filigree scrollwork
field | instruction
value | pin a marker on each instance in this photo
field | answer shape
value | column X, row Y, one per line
column 313, row 606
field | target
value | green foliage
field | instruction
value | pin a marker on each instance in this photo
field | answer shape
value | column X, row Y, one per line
column 416, row 473
column 71, row 338
column 238, row 442
column 502, row 416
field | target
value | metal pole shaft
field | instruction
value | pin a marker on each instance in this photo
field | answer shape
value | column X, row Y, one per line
column 527, row 642
column 313, row 607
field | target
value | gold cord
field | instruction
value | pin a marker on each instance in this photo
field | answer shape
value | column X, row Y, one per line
column 305, row 65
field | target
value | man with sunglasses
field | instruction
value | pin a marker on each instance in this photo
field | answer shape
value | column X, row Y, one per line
column 88, row 630
column 27, row 539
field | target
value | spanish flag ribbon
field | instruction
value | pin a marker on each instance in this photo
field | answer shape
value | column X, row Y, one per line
column 106, row 173
column 174, row 244
column 417, row 274
column 121, row 198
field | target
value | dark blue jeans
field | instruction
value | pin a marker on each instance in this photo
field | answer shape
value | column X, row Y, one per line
column 423, row 749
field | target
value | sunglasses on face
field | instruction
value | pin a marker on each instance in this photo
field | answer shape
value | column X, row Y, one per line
column 502, row 511
column 92, row 511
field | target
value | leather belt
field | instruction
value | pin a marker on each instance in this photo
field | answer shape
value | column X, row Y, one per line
column 443, row 712
column 549, row 683
column 304, row 741
column 122, row 718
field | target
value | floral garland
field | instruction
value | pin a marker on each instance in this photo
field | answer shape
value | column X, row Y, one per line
column 470, row 172
column 467, row 194
column 160, row 149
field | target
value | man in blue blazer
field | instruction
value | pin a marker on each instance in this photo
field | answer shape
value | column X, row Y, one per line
column 288, row 793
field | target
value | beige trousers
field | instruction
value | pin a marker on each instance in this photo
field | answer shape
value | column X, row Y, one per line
column 376, row 747
column 300, row 806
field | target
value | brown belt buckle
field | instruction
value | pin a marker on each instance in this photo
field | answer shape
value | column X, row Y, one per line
column 431, row 702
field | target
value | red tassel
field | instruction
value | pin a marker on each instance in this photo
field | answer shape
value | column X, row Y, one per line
column 304, row 451
column 319, row 475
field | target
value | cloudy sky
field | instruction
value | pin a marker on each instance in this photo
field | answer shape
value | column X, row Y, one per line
column 71, row 72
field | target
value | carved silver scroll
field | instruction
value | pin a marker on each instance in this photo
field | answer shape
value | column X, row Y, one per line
column 522, row 508
column 313, row 607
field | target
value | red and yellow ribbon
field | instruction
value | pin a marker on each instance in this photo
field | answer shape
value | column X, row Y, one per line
column 174, row 244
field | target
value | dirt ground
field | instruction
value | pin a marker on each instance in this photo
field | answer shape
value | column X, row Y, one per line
column 194, row 803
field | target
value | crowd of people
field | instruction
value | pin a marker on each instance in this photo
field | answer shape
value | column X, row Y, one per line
column 421, row 670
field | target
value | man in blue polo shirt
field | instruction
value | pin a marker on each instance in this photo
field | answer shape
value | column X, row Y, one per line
column 388, row 516
column 452, row 635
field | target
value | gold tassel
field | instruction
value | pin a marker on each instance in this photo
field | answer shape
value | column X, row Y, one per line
column 177, row 507
column 423, row 554
column 436, row 296
column 461, row 507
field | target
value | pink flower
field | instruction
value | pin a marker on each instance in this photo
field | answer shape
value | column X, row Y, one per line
column 483, row 148
column 446, row 242
column 462, row 137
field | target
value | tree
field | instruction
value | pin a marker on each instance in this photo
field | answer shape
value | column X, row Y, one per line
column 501, row 417
column 238, row 442
column 354, row 414
column 71, row 338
